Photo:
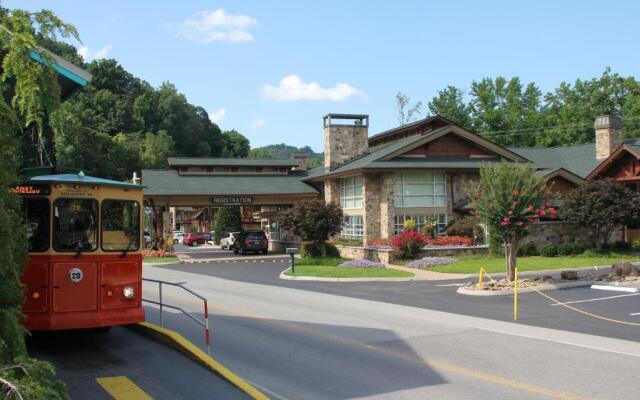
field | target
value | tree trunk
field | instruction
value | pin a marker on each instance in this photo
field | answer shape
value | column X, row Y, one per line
column 510, row 252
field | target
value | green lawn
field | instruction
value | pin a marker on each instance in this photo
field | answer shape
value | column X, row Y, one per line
column 472, row 264
column 326, row 271
column 167, row 260
column 327, row 268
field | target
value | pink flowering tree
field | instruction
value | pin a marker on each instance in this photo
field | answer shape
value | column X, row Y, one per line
column 509, row 197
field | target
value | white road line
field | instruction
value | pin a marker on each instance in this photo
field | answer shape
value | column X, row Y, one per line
column 451, row 284
column 635, row 313
column 615, row 288
column 599, row 298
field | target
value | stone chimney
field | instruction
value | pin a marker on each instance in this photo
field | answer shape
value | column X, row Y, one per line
column 301, row 157
column 346, row 136
column 608, row 135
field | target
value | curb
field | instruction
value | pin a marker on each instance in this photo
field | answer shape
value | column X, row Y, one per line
column 144, row 264
column 233, row 260
column 178, row 342
column 475, row 292
column 321, row 279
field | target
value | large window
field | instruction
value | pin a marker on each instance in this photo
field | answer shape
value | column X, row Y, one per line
column 351, row 192
column 36, row 216
column 353, row 227
column 120, row 225
column 419, row 189
column 421, row 220
column 75, row 224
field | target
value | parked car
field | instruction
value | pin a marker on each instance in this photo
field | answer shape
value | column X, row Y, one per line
column 227, row 242
column 207, row 236
column 147, row 239
column 255, row 241
column 193, row 239
column 178, row 236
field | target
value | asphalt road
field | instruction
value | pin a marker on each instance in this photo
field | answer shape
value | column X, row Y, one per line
column 82, row 356
column 534, row 309
column 309, row 344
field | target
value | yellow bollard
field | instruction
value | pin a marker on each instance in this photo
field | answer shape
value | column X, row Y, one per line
column 481, row 278
column 515, row 295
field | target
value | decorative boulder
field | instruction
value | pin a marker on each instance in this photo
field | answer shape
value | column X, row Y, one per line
column 569, row 275
column 623, row 268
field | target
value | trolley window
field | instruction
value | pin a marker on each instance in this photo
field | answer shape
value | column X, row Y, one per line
column 120, row 225
column 75, row 224
column 36, row 217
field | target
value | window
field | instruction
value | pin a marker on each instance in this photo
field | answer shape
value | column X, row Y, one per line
column 419, row 189
column 421, row 220
column 120, row 225
column 353, row 227
column 351, row 192
column 36, row 217
column 75, row 224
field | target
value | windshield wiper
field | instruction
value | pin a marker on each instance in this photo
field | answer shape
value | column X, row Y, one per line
column 133, row 239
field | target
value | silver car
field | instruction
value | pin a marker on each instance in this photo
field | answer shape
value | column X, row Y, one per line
column 227, row 242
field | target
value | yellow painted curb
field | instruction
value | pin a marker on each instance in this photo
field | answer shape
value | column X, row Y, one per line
column 121, row 388
column 180, row 343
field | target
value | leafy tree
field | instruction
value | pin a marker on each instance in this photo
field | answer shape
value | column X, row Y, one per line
column 449, row 103
column 228, row 220
column 601, row 207
column 406, row 112
column 156, row 149
column 234, row 144
column 509, row 197
column 313, row 220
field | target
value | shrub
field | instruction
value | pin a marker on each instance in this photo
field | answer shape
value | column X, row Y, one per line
column 313, row 220
column 621, row 245
column 550, row 250
column 409, row 225
column 409, row 243
column 495, row 243
column 528, row 250
column 444, row 241
column 579, row 248
column 462, row 227
column 313, row 249
column 636, row 244
column 427, row 262
column 565, row 249
column 228, row 220
column 361, row 264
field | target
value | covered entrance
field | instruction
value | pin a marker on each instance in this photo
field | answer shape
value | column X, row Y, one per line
column 189, row 194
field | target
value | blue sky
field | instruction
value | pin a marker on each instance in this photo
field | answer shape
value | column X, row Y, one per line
column 272, row 69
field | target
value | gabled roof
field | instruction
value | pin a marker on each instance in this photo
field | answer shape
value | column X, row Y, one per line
column 235, row 162
column 563, row 173
column 388, row 156
column 409, row 126
column 618, row 153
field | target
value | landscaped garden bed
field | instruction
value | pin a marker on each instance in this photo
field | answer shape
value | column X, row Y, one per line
column 159, row 257
column 343, row 268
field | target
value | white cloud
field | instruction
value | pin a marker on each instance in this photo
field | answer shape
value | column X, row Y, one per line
column 257, row 123
column 218, row 115
column 216, row 26
column 89, row 55
column 292, row 88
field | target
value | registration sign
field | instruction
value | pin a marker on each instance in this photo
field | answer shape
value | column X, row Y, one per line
column 231, row 200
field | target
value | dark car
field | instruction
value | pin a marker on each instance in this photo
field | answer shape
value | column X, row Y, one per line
column 194, row 239
column 255, row 241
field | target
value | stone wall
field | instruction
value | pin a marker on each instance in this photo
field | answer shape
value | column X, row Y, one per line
column 332, row 191
column 545, row 233
column 343, row 143
column 371, row 200
column 387, row 208
column 359, row 253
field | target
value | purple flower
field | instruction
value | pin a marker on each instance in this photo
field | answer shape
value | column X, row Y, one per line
column 427, row 262
column 361, row 264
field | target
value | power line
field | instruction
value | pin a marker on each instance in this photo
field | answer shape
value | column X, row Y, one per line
column 525, row 131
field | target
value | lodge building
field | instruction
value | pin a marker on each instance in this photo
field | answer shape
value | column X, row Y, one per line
column 416, row 171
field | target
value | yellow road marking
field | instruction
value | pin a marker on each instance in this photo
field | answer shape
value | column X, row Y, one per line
column 434, row 364
column 122, row 388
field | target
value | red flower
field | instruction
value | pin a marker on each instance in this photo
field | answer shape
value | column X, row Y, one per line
column 515, row 193
column 542, row 212
column 520, row 223
column 530, row 208
column 510, row 212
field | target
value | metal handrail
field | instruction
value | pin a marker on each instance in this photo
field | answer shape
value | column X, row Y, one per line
column 204, row 323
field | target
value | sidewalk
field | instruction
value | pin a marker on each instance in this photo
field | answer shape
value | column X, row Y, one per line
column 426, row 275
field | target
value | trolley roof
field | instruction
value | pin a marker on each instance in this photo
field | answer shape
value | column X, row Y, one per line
column 81, row 179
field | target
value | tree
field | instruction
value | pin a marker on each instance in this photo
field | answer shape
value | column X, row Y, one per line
column 234, row 144
column 156, row 149
column 406, row 112
column 229, row 220
column 509, row 197
column 601, row 207
column 313, row 220
column 449, row 103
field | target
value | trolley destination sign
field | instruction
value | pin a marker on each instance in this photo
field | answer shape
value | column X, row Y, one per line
column 31, row 190
column 231, row 200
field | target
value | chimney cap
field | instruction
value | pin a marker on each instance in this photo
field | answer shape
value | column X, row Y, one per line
column 356, row 119
column 608, row 121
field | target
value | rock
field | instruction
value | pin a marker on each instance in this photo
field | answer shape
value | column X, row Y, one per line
column 547, row 278
column 569, row 275
column 623, row 268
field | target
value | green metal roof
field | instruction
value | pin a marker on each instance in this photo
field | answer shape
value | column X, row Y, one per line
column 234, row 162
column 432, row 163
column 80, row 179
column 170, row 183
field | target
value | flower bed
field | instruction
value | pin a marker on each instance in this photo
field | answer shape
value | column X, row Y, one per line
column 361, row 264
column 157, row 253
column 449, row 241
column 428, row 262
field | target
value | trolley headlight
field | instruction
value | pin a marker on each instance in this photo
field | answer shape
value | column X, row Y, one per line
column 128, row 292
